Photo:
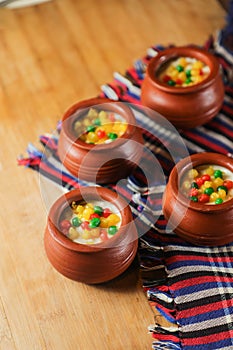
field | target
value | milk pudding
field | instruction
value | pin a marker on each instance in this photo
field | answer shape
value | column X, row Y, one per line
column 208, row 184
column 183, row 72
column 90, row 223
column 98, row 127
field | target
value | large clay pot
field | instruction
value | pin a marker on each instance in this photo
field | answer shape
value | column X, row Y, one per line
column 198, row 223
column 184, row 107
column 102, row 163
column 95, row 263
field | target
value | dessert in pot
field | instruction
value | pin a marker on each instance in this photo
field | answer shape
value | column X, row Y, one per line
column 183, row 72
column 198, row 200
column 184, row 84
column 209, row 184
column 90, row 223
column 100, row 141
column 90, row 235
column 100, row 127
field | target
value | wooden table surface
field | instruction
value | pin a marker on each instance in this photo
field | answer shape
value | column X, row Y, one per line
column 52, row 55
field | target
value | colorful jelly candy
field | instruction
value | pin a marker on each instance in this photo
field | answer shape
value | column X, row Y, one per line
column 183, row 72
column 89, row 223
column 100, row 127
column 208, row 185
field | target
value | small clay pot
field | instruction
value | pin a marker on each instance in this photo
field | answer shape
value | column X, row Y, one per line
column 102, row 163
column 95, row 263
column 185, row 107
column 198, row 223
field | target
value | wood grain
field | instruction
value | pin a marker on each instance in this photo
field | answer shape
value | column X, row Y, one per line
column 52, row 55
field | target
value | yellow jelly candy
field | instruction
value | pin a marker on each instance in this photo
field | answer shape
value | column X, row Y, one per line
column 91, row 137
column 73, row 234
column 86, row 234
column 174, row 74
column 103, row 115
column 194, row 72
column 192, row 173
column 103, row 222
column 197, row 79
column 86, row 122
column 222, row 194
column 92, row 113
column 218, row 181
column 182, row 76
column 113, row 219
column 198, row 65
column 79, row 209
column 213, row 196
column 89, row 205
column 209, row 170
column 77, row 125
column 182, row 61
column 87, row 213
column 207, row 184
column 107, row 127
column 186, row 185
column 95, row 232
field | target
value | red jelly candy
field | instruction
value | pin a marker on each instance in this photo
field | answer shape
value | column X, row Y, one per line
column 103, row 235
column 94, row 215
column 166, row 78
column 199, row 181
column 65, row 224
column 106, row 212
column 179, row 81
column 228, row 184
column 193, row 192
column 204, row 198
column 65, row 231
column 206, row 177
column 85, row 225
column 101, row 134
column 111, row 117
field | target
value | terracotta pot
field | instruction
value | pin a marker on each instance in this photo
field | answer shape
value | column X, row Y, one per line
column 184, row 107
column 102, row 163
column 95, row 263
column 200, row 224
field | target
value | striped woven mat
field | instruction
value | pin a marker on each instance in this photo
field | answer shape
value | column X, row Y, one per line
column 190, row 286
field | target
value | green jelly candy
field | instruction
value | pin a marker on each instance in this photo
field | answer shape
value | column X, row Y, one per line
column 218, row 173
column 188, row 81
column 188, row 73
column 95, row 222
column 171, row 82
column 194, row 198
column 179, row 68
column 112, row 230
column 97, row 121
column 90, row 128
column 76, row 221
column 194, row 185
column 98, row 210
column 112, row 136
column 219, row 201
column 209, row 191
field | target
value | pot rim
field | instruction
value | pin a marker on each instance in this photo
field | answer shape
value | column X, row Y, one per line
column 191, row 162
column 175, row 52
column 93, row 192
column 110, row 105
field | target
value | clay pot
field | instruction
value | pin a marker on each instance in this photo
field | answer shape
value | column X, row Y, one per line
column 95, row 263
column 184, row 107
column 102, row 163
column 198, row 223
